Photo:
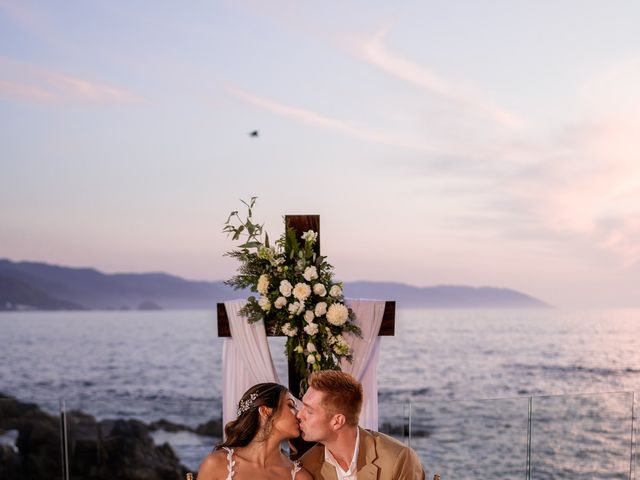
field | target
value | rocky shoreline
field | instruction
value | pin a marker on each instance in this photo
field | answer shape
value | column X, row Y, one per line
column 97, row 450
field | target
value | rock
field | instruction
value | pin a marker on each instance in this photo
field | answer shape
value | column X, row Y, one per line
column 168, row 426
column 212, row 428
column 108, row 449
column 10, row 464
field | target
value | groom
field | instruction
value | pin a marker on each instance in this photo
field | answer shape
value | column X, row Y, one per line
column 329, row 416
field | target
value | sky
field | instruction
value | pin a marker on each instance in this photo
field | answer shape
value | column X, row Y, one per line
column 487, row 143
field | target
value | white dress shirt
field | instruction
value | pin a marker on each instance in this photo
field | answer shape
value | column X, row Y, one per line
column 351, row 473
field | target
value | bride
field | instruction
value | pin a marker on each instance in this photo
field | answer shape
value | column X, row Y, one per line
column 266, row 416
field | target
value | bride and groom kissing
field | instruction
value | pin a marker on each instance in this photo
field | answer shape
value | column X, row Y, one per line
column 267, row 415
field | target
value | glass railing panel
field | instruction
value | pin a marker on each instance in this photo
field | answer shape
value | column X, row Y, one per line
column 104, row 445
column 582, row 436
column 30, row 446
column 471, row 439
column 393, row 419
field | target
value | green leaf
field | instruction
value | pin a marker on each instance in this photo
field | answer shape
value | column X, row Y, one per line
column 239, row 230
column 253, row 244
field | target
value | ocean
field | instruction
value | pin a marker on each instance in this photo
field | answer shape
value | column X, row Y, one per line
column 478, row 393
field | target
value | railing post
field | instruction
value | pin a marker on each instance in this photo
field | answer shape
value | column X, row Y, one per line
column 64, row 454
column 631, row 455
column 530, row 409
column 409, row 423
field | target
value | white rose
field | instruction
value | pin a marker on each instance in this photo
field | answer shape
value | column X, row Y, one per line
column 311, row 329
column 321, row 309
column 288, row 330
column 298, row 349
column 264, row 303
column 280, row 302
column 337, row 314
column 311, row 347
column 310, row 273
column 335, row 291
column 301, row 291
column 319, row 289
column 311, row 358
column 309, row 316
column 263, row 284
column 285, row 288
column 293, row 308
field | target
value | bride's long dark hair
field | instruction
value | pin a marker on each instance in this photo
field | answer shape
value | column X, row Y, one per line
column 242, row 430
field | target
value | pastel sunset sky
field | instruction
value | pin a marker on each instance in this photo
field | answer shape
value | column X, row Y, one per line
column 462, row 142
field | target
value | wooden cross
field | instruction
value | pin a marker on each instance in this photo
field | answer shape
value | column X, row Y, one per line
column 302, row 223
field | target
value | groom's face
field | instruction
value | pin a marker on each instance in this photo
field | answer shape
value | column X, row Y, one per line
column 315, row 420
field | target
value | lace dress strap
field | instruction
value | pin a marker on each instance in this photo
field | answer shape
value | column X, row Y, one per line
column 230, row 463
column 296, row 468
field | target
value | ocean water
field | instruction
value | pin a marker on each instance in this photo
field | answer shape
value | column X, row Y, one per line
column 478, row 393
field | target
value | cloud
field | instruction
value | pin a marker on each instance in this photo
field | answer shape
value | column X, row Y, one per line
column 310, row 117
column 28, row 92
column 84, row 90
column 37, row 84
column 374, row 51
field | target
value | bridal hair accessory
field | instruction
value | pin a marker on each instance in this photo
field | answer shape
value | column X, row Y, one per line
column 246, row 404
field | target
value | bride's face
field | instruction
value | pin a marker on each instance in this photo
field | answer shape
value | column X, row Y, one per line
column 286, row 422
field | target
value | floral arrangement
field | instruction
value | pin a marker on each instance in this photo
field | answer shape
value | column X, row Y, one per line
column 297, row 295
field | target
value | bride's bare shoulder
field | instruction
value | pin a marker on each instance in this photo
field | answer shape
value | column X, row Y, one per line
column 214, row 466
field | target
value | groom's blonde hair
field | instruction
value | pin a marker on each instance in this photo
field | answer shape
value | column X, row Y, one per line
column 342, row 393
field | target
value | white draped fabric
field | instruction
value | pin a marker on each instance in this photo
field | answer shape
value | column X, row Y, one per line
column 366, row 353
column 246, row 359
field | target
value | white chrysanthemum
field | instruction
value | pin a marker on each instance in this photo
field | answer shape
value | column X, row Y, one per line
column 311, row 329
column 319, row 289
column 301, row 291
column 280, row 302
column 321, row 309
column 311, row 347
column 309, row 316
column 263, row 284
column 337, row 314
column 264, row 303
column 335, row 291
column 288, row 330
column 285, row 288
column 311, row 359
column 310, row 273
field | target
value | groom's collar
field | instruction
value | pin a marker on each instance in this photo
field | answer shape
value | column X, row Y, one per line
column 367, row 453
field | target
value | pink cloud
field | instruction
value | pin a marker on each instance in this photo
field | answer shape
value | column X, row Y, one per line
column 374, row 51
column 37, row 84
column 28, row 92
column 84, row 90
column 347, row 128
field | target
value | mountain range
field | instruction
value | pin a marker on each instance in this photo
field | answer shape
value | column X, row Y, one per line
column 41, row 286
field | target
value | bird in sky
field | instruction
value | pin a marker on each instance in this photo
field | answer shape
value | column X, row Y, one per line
column 254, row 133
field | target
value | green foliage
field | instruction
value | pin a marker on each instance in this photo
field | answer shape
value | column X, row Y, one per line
column 297, row 293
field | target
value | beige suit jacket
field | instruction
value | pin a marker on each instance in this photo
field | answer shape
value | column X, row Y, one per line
column 380, row 457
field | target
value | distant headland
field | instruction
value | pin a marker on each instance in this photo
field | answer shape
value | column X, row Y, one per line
column 41, row 286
